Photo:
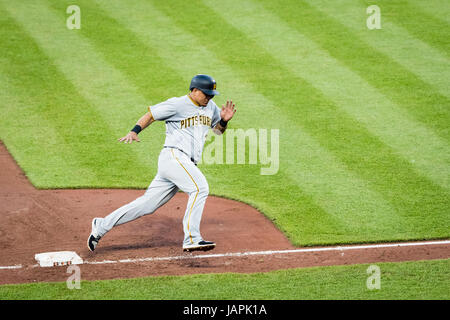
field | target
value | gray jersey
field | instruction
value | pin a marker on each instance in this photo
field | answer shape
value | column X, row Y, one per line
column 187, row 124
column 186, row 128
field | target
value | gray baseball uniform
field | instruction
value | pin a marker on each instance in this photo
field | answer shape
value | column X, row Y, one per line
column 186, row 128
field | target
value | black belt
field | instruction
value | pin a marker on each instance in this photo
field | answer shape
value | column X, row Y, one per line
column 192, row 159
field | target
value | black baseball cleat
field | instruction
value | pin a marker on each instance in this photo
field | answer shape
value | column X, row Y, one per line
column 94, row 238
column 92, row 242
column 200, row 246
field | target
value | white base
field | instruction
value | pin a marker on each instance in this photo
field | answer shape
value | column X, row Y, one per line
column 60, row 258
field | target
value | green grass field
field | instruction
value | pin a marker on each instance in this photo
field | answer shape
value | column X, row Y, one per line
column 421, row 280
column 363, row 115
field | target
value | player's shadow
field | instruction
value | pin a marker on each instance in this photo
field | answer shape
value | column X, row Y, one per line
column 138, row 246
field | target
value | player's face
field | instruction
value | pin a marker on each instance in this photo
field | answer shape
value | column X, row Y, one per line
column 201, row 98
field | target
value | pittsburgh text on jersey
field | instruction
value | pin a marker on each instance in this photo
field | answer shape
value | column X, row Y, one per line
column 195, row 121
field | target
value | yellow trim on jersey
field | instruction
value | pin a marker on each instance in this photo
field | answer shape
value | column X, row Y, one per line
column 195, row 198
column 150, row 113
column 193, row 101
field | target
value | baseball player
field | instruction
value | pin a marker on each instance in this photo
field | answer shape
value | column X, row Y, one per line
column 188, row 120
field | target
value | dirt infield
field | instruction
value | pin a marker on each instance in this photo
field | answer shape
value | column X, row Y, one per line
column 35, row 221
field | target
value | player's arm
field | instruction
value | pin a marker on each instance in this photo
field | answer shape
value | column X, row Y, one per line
column 141, row 124
column 226, row 114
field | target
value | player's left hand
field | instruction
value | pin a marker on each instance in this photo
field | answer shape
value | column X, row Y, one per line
column 130, row 137
column 227, row 111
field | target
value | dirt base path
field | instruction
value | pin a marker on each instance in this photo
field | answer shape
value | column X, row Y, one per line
column 36, row 221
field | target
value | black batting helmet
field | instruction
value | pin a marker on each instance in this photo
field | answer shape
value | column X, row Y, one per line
column 204, row 83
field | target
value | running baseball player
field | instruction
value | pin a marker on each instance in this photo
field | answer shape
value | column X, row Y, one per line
column 188, row 120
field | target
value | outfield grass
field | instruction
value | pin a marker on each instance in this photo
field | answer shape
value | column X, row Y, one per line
column 421, row 280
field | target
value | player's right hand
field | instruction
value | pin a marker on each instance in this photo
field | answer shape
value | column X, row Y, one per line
column 130, row 137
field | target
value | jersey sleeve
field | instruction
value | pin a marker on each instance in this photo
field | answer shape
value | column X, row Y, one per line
column 164, row 110
column 216, row 116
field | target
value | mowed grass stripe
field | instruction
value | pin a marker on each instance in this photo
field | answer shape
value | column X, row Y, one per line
column 293, row 210
column 39, row 107
column 416, row 143
column 312, row 171
column 439, row 9
column 403, row 87
column 418, row 23
column 390, row 175
column 140, row 68
column 106, row 90
column 140, row 64
column 430, row 64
